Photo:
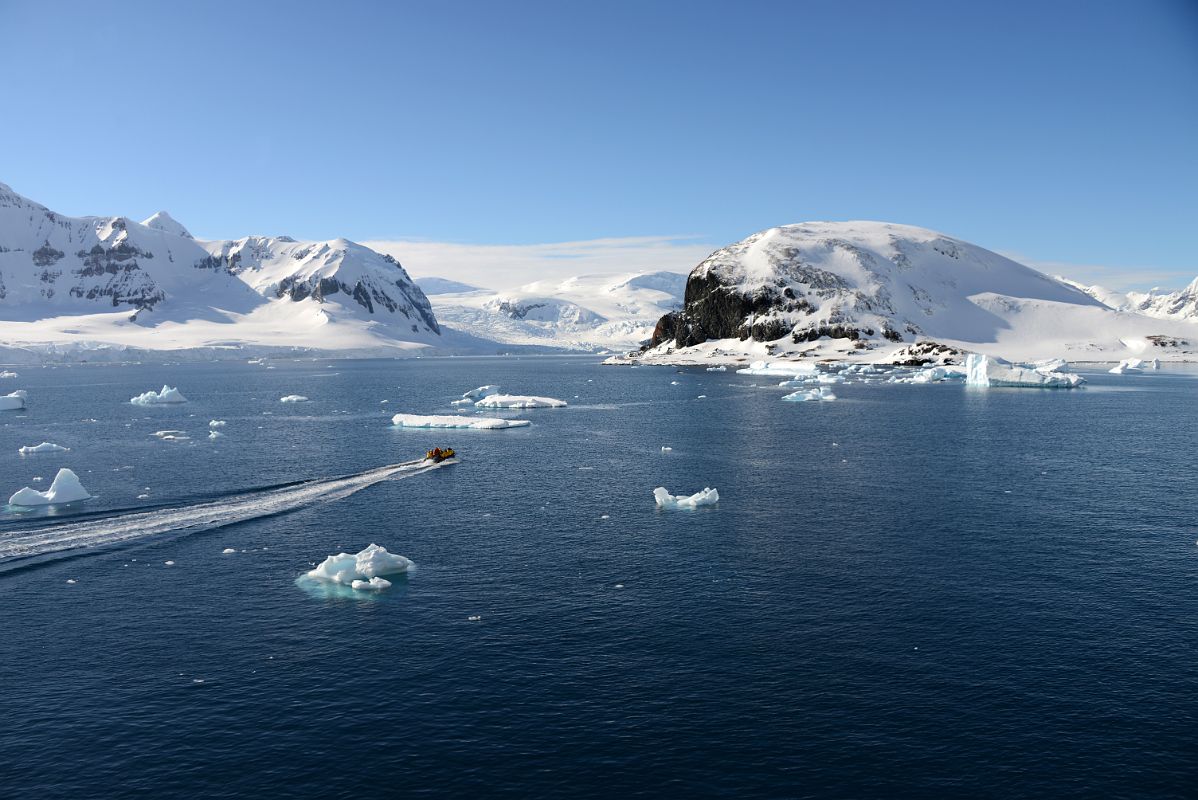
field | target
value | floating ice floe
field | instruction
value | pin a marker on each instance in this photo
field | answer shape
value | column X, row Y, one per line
column 66, row 488
column 293, row 398
column 777, row 368
column 519, row 401
column 1131, row 366
column 720, row 368
column 450, row 421
column 462, row 402
column 807, row 395
column 168, row 396
column 664, row 499
column 217, row 423
column 15, row 401
column 44, row 447
column 214, row 434
column 350, row 569
column 171, row 436
column 7, row 374
column 982, row 370
column 481, row 392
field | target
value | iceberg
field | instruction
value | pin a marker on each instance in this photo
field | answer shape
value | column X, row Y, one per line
column 706, row 497
column 806, row 395
column 450, row 421
column 364, row 567
column 167, row 396
column 981, row 370
column 519, row 401
column 293, row 398
column 44, row 447
column 481, row 392
column 1132, row 366
column 66, row 488
column 13, row 402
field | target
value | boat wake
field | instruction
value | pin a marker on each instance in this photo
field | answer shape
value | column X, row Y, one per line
column 39, row 543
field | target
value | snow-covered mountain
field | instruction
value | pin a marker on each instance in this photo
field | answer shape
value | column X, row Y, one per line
column 96, row 283
column 586, row 312
column 864, row 289
column 1160, row 303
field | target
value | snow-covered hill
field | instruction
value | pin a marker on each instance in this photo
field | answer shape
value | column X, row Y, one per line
column 586, row 312
column 97, row 284
column 866, row 289
column 1160, row 303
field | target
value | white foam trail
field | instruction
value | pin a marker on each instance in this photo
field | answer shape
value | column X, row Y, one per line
column 201, row 516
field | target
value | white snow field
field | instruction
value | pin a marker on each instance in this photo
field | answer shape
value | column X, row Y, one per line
column 706, row 497
column 66, row 488
column 44, row 447
column 364, row 567
column 610, row 311
column 519, row 401
column 293, row 398
column 168, row 396
column 450, row 421
column 14, row 401
column 981, row 370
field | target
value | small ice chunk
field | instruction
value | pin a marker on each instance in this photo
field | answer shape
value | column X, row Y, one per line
column 293, row 398
column 228, row 550
column 805, row 395
column 7, row 374
column 167, row 396
column 70, row 580
column 214, row 434
column 519, row 401
column 720, row 368
column 66, row 488
column 14, row 401
column 171, row 436
column 143, row 497
column 217, row 423
column 666, row 449
column 673, row 383
column 44, row 447
column 779, row 368
column 706, row 497
column 374, row 584
column 1129, row 366
column 481, row 392
column 448, row 421
column 462, row 402
column 169, row 563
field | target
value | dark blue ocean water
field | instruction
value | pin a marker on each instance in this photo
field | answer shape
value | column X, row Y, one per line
column 915, row 591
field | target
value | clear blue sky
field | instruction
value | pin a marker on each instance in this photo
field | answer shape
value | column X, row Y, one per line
column 1063, row 131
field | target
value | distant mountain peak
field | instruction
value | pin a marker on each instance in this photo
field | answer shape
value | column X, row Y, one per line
column 162, row 221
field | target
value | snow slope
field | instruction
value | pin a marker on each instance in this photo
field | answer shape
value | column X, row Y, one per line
column 863, row 290
column 586, row 312
column 91, row 283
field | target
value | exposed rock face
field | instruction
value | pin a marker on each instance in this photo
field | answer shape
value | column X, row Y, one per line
column 856, row 281
column 927, row 353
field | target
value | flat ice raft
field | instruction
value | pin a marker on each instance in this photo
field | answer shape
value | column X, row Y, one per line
column 519, row 401
column 664, row 499
column 361, row 570
column 450, row 421
column 65, row 489
column 983, row 370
